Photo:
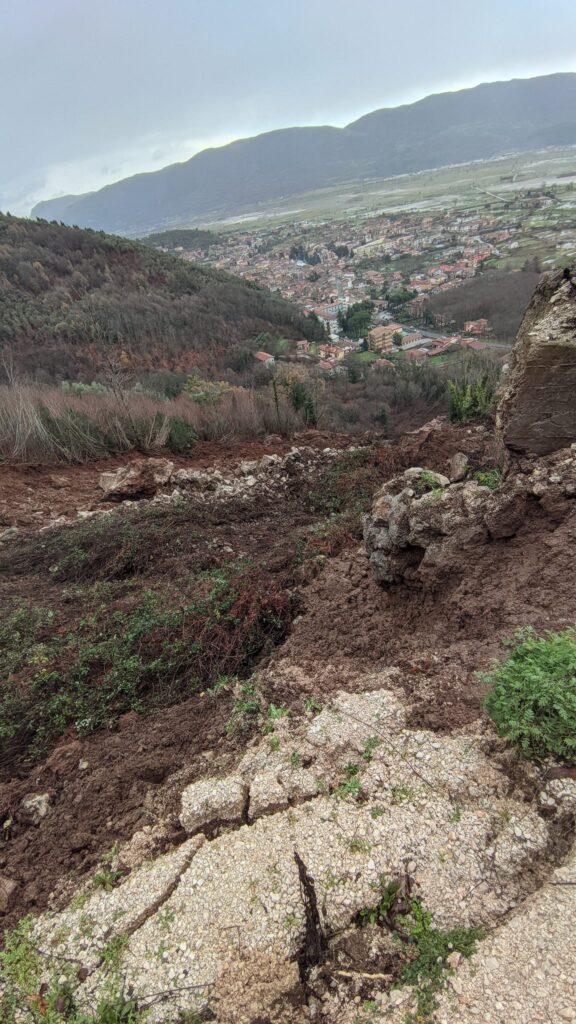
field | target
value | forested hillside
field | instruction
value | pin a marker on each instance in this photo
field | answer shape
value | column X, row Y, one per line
column 187, row 238
column 500, row 296
column 72, row 301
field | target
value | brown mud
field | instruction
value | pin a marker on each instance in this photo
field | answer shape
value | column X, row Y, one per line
column 105, row 787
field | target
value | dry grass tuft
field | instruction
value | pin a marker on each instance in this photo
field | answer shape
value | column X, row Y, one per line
column 49, row 425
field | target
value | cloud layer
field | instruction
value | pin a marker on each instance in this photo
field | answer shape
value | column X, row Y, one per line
column 101, row 91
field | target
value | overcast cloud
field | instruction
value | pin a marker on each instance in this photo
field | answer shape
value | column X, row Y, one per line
column 95, row 90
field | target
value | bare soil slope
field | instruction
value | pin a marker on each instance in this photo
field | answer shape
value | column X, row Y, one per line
column 105, row 785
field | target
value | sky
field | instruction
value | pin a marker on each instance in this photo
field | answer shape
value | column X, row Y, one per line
column 96, row 90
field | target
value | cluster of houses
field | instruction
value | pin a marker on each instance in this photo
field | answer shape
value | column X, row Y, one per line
column 326, row 266
column 350, row 267
column 385, row 339
column 324, row 356
column 389, row 338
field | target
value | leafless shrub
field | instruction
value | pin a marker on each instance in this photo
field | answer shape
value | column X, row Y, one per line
column 50, row 425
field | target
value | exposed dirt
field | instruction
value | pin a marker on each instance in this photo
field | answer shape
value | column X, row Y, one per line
column 349, row 622
column 439, row 640
column 31, row 496
column 102, row 789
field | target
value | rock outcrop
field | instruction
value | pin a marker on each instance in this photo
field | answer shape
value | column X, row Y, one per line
column 436, row 807
column 158, row 480
column 537, row 411
column 420, row 523
column 140, row 479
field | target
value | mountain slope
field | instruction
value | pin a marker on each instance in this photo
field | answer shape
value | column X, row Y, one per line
column 472, row 124
column 70, row 298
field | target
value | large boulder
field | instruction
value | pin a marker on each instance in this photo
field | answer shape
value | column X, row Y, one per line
column 537, row 411
column 420, row 524
column 141, row 478
column 416, row 518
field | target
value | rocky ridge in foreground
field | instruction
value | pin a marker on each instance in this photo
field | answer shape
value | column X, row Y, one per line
column 442, row 811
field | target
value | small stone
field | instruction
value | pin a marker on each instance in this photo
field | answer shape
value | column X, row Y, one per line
column 35, row 807
column 8, row 534
column 397, row 997
column 7, row 889
column 457, row 985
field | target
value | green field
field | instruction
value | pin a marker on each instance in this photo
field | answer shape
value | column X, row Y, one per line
column 477, row 186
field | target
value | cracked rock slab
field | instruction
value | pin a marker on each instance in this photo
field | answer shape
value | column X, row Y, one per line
column 436, row 807
column 212, row 802
column 95, row 916
column 526, row 971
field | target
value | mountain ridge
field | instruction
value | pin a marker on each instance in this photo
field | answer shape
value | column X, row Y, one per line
column 482, row 122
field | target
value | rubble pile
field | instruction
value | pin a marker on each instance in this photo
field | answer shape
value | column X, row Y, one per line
column 159, row 480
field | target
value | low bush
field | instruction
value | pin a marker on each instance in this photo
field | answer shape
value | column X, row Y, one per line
column 349, row 483
column 181, row 435
column 491, row 478
column 110, row 652
column 423, row 949
column 470, row 399
column 532, row 697
column 428, row 972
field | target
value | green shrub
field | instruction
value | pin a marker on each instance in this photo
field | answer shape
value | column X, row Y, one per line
column 491, row 478
column 470, row 399
column 428, row 972
column 146, row 652
column 426, row 482
column 533, row 694
column 423, row 953
column 181, row 435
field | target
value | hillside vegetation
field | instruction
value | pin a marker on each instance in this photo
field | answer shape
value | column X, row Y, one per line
column 500, row 296
column 449, row 128
column 185, row 238
column 73, row 301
